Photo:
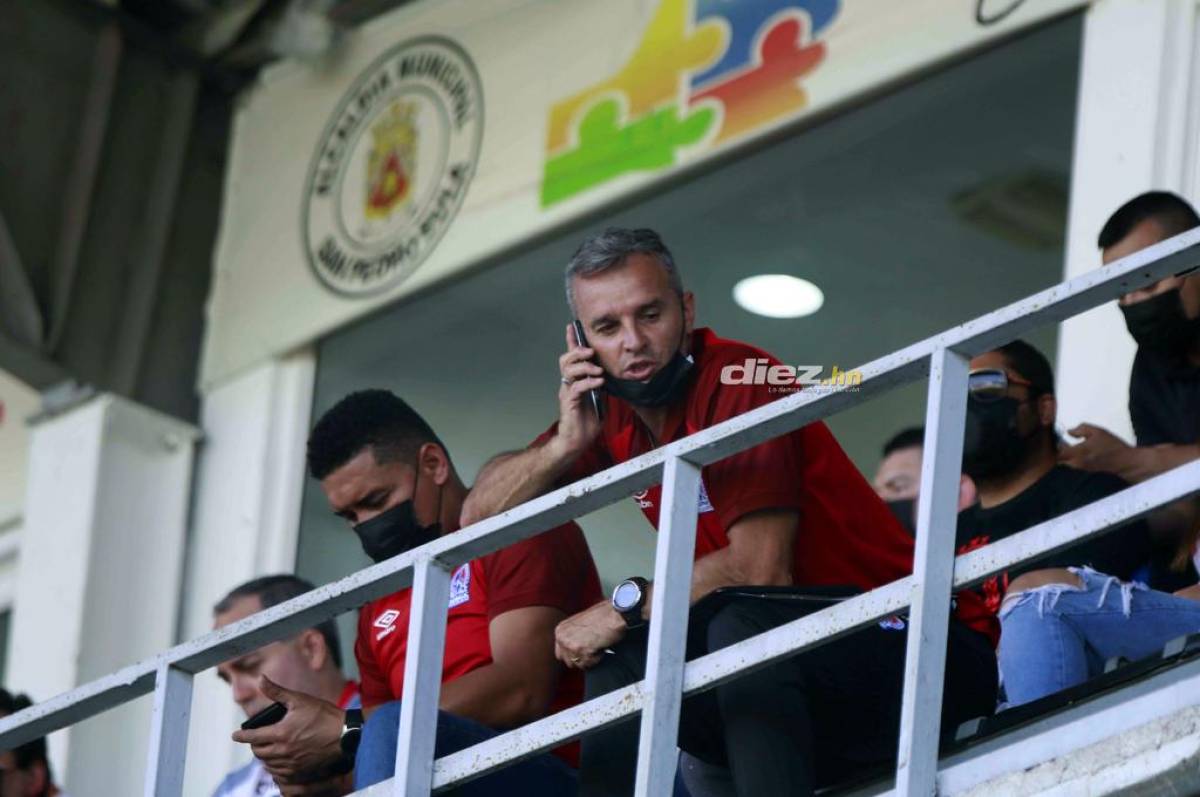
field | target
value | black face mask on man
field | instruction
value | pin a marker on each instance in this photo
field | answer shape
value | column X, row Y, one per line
column 992, row 446
column 396, row 530
column 1160, row 323
column 659, row 390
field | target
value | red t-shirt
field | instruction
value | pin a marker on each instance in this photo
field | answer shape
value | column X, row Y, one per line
column 349, row 698
column 847, row 536
column 553, row 569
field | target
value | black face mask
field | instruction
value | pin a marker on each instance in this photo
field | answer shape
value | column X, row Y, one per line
column 662, row 388
column 658, row 391
column 905, row 511
column 1160, row 323
column 991, row 444
column 396, row 530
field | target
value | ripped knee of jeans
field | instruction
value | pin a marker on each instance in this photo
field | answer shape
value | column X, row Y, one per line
column 1044, row 596
column 1088, row 580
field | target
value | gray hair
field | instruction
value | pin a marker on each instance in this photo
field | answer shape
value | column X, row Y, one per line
column 610, row 248
column 273, row 590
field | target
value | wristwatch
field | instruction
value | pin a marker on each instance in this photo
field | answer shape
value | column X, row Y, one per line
column 351, row 732
column 628, row 599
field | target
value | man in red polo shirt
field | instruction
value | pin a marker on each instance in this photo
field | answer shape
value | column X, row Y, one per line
column 791, row 511
column 384, row 471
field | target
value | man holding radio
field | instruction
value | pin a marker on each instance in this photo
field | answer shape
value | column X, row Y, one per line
column 793, row 511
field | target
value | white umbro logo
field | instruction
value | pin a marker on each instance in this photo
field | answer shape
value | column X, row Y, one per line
column 387, row 622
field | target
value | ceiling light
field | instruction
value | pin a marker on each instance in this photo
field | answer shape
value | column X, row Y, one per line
column 778, row 296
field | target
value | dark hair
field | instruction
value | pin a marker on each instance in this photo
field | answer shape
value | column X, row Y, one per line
column 378, row 419
column 1171, row 211
column 273, row 590
column 912, row 437
column 610, row 248
column 1031, row 364
column 32, row 752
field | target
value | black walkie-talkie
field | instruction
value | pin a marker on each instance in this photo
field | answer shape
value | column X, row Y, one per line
column 581, row 340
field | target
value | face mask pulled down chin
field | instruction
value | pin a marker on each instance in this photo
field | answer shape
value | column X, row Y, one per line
column 1160, row 323
column 394, row 531
column 991, row 444
column 659, row 390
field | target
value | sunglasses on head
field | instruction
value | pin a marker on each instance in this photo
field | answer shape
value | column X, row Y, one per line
column 991, row 384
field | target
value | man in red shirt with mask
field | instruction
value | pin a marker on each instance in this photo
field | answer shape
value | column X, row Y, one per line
column 387, row 474
column 791, row 511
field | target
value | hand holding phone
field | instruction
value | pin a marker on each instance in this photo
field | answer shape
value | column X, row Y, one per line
column 268, row 716
column 594, row 397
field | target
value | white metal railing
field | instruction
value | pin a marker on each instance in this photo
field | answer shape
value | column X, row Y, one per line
column 927, row 591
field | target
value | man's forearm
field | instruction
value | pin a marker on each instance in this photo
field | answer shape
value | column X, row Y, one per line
column 1151, row 461
column 512, row 479
column 495, row 696
column 719, row 569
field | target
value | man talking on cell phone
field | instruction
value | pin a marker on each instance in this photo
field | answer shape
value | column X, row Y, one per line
column 792, row 511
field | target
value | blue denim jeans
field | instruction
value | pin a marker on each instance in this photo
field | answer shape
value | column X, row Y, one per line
column 545, row 774
column 1059, row 635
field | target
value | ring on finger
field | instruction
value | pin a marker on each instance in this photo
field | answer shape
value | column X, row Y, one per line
column 565, row 380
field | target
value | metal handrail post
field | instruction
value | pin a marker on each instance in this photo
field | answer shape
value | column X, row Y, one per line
column 933, row 576
column 667, row 646
column 422, row 679
column 170, row 722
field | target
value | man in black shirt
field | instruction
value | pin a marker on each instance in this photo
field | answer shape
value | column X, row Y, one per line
column 1010, row 450
column 1164, row 387
column 1061, row 620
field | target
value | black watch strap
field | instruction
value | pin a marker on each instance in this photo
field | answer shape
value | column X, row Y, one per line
column 351, row 732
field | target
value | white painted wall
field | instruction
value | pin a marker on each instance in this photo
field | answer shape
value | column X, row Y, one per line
column 18, row 402
column 1137, row 131
column 246, row 517
column 99, row 572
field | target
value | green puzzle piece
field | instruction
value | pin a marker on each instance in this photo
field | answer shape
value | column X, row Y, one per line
column 607, row 150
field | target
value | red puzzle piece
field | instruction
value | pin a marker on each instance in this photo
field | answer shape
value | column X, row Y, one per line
column 771, row 90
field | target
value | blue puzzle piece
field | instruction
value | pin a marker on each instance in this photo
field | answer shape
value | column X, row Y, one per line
column 745, row 19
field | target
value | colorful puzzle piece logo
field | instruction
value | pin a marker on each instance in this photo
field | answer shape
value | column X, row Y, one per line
column 735, row 67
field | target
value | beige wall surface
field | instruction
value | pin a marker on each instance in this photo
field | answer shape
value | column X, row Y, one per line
column 18, row 401
column 446, row 132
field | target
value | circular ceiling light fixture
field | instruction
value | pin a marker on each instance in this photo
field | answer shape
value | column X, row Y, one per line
column 778, row 296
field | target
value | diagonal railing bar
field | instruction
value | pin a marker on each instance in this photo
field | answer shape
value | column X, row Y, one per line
column 787, row 640
column 330, row 600
column 1079, row 525
column 702, row 673
column 1177, row 255
column 79, row 704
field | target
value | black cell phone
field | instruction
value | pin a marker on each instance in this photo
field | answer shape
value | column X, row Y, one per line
column 268, row 716
column 594, row 395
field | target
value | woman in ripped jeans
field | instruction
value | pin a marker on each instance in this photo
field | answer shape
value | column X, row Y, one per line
column 1059, row 626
